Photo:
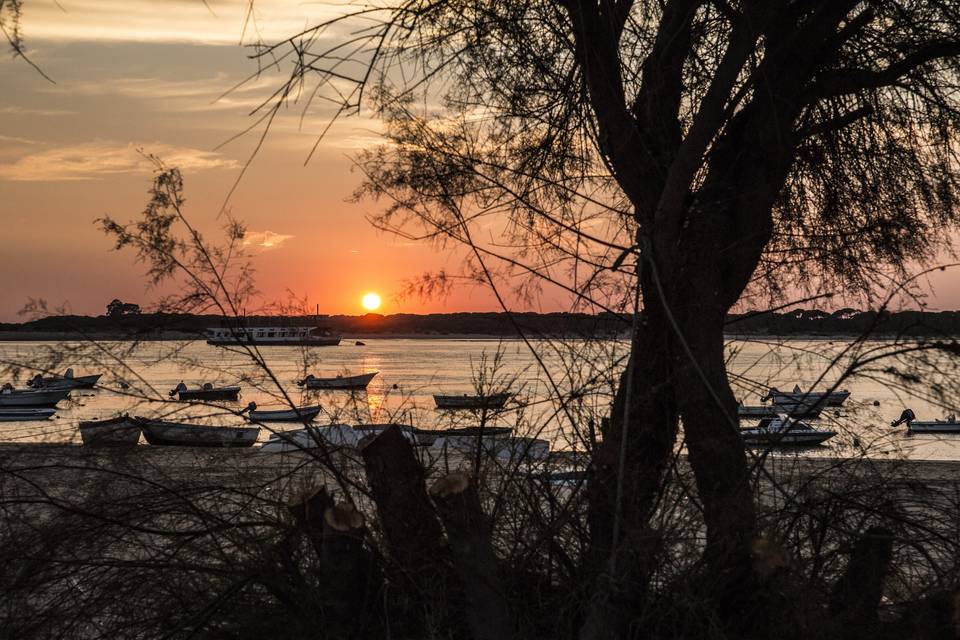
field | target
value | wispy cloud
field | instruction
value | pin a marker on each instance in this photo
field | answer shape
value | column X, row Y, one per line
column 264, row 240
column 100, row 159
column 22, row 111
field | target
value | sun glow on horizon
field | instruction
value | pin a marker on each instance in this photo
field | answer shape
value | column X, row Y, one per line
column 371, row 301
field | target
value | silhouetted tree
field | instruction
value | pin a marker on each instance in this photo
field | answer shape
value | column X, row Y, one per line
column 119, row 308
column 676, row 154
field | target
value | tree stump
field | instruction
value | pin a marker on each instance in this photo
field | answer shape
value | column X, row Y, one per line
column 857, row 593
column 468, row 533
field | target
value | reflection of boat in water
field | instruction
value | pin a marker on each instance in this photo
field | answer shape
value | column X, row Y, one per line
column 810, row 398
column 10, row 397
column 66, row 381
column 494, row 401
column 289, row 414
column 205, row 392
column 119, row 431
column 950, row 425
column 352, row 383
column 784, row 432
column 334, row 436
column 161, row 432
column 270, row 337
column 16, row 414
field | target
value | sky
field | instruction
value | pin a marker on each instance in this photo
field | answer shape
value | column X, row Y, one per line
column 150, row 75
column 131, row 75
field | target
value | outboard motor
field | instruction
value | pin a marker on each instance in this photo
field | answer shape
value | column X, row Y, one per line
column 177, row 389
column 907, row 416
column 770, row 394
column 251, row 406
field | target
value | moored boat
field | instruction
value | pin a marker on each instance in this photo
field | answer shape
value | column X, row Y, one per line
column 270, row 337
column 950, row 425
column 161, row 432
column 348, row 383
column 15, row 414
column 810, row 398
column 66, row 381
column 777, row 432
column 120, row 431
column 206, row 392
column 10, row 397
column 426, row 437
column 493, row 401
column 502, row 448
column 288, row 414
column 409, row 433
column 334, row 436
column 800, row 410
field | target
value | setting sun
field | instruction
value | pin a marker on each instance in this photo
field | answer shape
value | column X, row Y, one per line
column 371, row 301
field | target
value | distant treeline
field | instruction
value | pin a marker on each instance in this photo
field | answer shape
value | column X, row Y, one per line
column 798, row 322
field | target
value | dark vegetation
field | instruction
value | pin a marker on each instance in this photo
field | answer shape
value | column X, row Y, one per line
column 845, row 322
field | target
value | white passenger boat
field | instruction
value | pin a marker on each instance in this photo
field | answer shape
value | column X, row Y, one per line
column 352, row 383
column 950, row 425
column 494, row 401
column 270, row 337
column 288, row 414
column 161, row 432
column 120, row 431
column 812, row 398
column 10, row 397
column 426, row 437
column 66, row 381
column 334, row 436
column 784, row 431
column 14, row 414
column 502, row 448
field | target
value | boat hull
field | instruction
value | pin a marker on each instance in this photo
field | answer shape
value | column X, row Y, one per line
column 300, row 414
column 800, row 439
column 334, row 436
column 344, row 383
column 220, row 393
column 30, row 413
column 275, row 342
column 934, row 427
column 496, row 401
column 775, row 410
column 79, row 382
column 33, row 398
column 814, row 399
column 116, row 432
column 173, row 434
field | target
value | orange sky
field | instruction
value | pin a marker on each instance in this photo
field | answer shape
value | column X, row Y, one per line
column 147, row 73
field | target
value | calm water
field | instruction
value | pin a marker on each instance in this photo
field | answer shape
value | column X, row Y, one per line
column 410, row 371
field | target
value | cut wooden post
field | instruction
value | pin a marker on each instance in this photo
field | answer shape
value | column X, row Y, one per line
column 468, row 532
column 856, row 596
column 411, row 530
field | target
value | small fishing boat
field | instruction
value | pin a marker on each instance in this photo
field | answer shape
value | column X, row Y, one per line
column 494, row 401
column 120, row 431
column 502, row 448
column 408, row 432
column 289, row 414
column 205, row 392
column 25, row 413
column 950, row 425
column 179, row 434
column 66, row 381
column 10, row 397
column 812, row 398
column 334, row 436
column 349, row 383
column 784, row 432
column 426, row 437
column 799, row 410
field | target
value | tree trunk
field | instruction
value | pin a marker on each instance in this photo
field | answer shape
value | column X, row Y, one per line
column 468, row 532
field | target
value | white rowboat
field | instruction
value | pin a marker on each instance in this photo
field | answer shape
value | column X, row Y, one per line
column 28, row 413
column 160, row 432
column 347, row 383
column 297, row 414
column 778, row 432
column 10, row 397
column 120, row 431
